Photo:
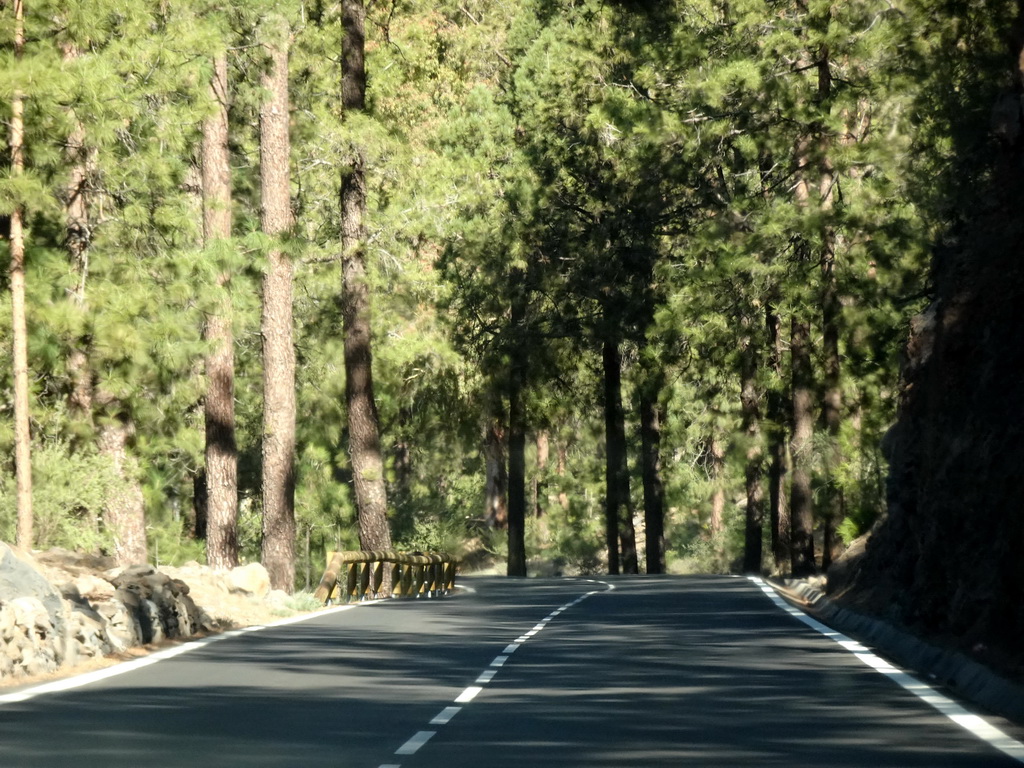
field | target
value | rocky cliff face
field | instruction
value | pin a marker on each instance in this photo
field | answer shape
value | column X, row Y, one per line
column 949, row 557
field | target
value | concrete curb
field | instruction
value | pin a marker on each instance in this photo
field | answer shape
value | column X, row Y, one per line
column 965, row 677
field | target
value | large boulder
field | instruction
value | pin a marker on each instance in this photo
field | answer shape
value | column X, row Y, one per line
column 33, row 617
column 160, row 603
column 251, row 579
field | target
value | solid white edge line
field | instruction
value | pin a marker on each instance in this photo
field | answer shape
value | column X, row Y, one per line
column 411, row 747
column 972, row 723
column 87, row 678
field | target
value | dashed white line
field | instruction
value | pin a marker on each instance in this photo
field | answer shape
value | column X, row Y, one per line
column 468, row 695
column 970, row 722
column 411, row 747
column 445, row 715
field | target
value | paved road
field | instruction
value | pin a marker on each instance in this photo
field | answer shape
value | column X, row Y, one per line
column 697, row 671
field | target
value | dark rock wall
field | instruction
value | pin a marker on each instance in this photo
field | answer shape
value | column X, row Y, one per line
column 949, row 556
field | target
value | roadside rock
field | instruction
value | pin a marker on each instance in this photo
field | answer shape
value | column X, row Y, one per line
column 59, row 608
column 93, row 610
column 251, row 579
column 33, row 618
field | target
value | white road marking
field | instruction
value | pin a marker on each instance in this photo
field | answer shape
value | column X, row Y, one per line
column 87, row 678
column 468, row 695
column 970, row 722
column 445, row 715
column 412, row 745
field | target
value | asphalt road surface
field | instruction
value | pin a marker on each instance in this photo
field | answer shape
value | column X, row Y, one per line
column 615, row 672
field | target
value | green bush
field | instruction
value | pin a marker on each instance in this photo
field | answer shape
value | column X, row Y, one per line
column 69, row 489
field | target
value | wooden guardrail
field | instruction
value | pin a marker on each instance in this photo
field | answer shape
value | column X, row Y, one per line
column 353, row 576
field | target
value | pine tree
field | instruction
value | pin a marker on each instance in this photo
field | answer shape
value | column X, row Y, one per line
column 363, row 422
column 276, row 323
column 221, row 465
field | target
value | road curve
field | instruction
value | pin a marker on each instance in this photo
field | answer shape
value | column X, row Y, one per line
column 650, row 671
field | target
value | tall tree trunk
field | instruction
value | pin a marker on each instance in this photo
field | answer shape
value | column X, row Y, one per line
column 124, row 514
column 221, row 466
column 753, row 471
column 516, row 478
column 19, row 329
column 801, row 510
column 517, row 428
column 611, row 503
column 276, row 321
column 776, row 412
column 654, row 488
column 363, row 423
column 618, row 507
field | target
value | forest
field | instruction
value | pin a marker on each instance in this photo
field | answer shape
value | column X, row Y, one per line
column 581, row 285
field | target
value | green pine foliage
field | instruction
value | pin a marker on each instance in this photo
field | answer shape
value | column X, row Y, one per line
column 544, row 174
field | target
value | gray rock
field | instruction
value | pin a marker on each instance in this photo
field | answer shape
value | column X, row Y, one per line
column 20, row 579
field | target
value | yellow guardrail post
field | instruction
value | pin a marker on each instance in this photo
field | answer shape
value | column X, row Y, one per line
column 360, row 575
column 417, row 579
column 396, row 580
column 407, row 578
column 378, row 577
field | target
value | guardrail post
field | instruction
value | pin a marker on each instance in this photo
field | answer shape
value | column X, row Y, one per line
column 378, row 577
column 360, row 575
column 396, row 580
column 417, row 579
column 407, row 580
